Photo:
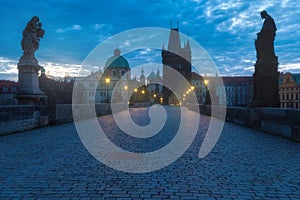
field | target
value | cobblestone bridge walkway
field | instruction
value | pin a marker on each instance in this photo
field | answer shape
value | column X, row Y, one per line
column 52, row 163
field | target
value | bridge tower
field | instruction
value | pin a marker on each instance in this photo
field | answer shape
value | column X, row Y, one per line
column 178, row 58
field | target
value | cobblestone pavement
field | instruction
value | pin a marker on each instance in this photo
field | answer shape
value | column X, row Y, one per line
column 51, row 162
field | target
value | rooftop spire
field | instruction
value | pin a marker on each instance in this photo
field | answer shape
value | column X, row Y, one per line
column 117, row 52
column 188, row 46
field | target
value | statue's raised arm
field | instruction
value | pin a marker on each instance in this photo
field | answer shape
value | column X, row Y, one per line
column 32, row 34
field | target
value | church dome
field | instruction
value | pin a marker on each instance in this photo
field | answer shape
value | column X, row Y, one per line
column 43, row 69
column 116, row 61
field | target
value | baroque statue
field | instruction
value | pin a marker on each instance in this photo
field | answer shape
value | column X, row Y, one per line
column 32, row 34
column 264, row 43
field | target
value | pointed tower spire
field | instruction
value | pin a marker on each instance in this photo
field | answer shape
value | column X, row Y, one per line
column 188, row 46
column 142, row 76
column 157, row 73
column 117, row 52
column 174, row 40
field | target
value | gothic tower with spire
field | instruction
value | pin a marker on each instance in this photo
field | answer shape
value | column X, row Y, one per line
column 178, row 58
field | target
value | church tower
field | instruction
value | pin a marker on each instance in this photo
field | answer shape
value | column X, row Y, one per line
column 178, row 58
column 142, row 77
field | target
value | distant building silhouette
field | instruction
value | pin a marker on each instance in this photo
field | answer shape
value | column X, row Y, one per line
column 154, row 86
column 8, row 90
column 57, row 91
column 87, row 90
column 178, row 58
column 200, row 89
column 289, row 91
column 237, row 90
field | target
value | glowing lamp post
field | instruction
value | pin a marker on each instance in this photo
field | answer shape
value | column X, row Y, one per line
column 207, row 98
column 126, row 88
column 107, row 81
column 206, row 82
column 135, row 92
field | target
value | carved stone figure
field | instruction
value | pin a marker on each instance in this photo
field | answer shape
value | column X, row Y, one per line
column 29, row 92
column 32, row 34
column 264, row 43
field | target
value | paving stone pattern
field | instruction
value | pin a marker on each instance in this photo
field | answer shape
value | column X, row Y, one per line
column 52, row 163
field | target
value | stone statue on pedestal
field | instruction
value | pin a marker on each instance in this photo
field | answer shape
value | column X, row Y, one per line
column 29, row 92
column 265, row 77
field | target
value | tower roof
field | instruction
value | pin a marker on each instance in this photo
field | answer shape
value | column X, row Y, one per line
column 174, row 40
column 152, row 75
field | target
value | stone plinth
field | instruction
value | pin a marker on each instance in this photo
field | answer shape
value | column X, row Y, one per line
column 265, row 80
column 29, row 92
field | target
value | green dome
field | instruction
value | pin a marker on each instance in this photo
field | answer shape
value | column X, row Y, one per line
column 116, row 62
column 43, row 70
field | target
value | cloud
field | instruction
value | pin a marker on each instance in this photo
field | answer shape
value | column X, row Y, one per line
column 75, row 27
column 8, row 68
column 290, row 67
column 62, row 70
column 104, row 27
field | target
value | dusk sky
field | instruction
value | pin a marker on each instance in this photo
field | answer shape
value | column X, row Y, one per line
column 226, row 29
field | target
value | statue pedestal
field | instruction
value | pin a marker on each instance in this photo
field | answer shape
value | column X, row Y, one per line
column 29, row 92
column 265, row 79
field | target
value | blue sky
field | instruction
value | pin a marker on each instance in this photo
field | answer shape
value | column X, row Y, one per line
column 226, row 29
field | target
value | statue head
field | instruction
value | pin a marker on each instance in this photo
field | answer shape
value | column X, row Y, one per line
column 35, row 19
column 263, row 14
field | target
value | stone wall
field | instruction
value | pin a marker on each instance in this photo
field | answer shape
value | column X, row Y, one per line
column 62, row 113
column 277, row 121
column 20, row 118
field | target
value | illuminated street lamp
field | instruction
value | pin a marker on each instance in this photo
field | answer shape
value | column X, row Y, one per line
column 135, row 92
column 206, row 82
column 107, row 81
column 207, row 97
column 193, row 87
column 154, row 98
column 126, row 88
column 143, row 91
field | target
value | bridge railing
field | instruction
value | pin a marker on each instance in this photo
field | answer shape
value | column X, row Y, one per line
column 278, row 121
column 22, row 117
